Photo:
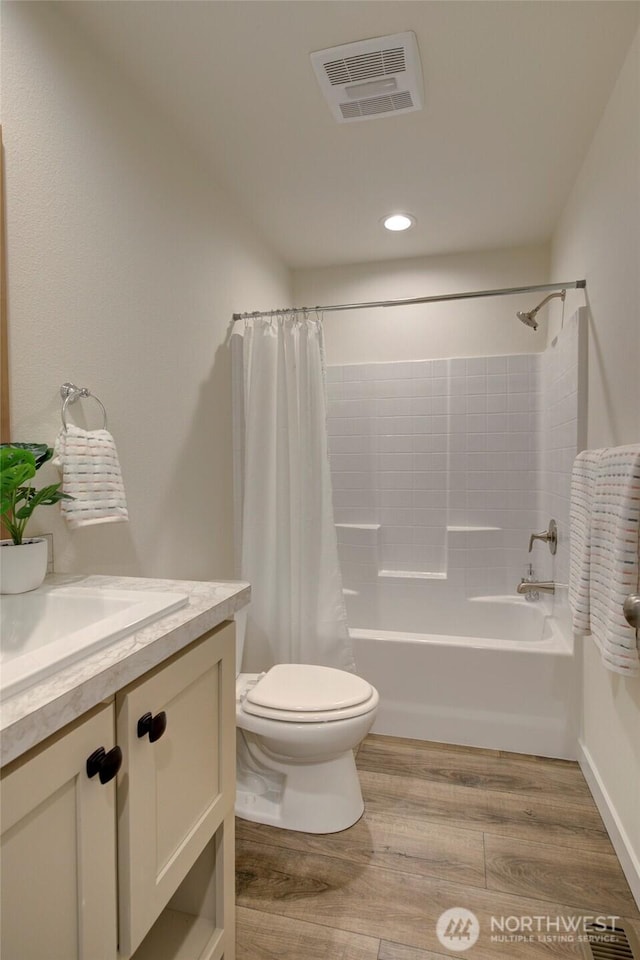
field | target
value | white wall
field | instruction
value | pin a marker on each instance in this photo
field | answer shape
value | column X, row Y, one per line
column 464, row 328
column 125, row 264
column 598, row 237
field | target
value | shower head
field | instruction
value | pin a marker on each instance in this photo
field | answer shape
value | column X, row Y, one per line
column 529, row 317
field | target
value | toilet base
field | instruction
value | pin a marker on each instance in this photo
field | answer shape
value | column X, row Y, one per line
column 311, row 798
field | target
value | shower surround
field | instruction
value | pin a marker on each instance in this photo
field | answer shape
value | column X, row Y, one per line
column 441, row 469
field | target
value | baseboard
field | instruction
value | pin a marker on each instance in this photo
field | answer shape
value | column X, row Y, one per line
column 621, row 844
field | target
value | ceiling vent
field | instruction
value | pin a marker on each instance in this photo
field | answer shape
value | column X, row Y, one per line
column 371, row 78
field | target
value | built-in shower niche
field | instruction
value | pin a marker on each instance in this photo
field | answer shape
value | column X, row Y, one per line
column 441, row 469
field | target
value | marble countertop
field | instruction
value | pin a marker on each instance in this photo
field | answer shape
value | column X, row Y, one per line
column 31, row 715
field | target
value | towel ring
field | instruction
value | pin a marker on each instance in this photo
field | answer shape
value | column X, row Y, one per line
column 70, row 393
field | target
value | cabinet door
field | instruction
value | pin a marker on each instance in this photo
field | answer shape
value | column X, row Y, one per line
column 173, row 793
column 59, row 850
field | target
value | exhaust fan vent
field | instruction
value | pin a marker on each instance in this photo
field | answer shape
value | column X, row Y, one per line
column 366, row 66
column 371, row 78
column 376, row 105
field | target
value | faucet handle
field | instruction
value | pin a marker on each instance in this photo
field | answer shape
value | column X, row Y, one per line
column 549, row 536
column 537, row 536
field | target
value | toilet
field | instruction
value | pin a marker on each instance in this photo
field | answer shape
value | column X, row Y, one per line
column 297, row 727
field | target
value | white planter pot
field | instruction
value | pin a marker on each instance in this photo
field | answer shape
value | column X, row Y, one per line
column 23, row 567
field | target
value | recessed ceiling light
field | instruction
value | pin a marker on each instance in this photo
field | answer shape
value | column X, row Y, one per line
column 399, row 221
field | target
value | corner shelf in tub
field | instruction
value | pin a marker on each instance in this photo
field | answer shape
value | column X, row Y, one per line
column 358, row 526
column 473, row 529
column 411, row 575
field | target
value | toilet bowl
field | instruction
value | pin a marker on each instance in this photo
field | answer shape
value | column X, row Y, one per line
column 297, row 727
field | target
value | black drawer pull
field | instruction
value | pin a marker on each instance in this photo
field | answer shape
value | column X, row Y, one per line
column 154, row 726
column 106, row 765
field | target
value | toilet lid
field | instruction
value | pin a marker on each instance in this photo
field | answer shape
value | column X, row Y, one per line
column 303, row 688
column 310, row 716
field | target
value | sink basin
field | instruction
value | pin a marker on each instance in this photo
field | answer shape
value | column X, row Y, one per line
column 53, row 626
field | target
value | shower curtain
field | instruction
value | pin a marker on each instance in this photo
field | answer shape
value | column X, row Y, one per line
column 288, row 547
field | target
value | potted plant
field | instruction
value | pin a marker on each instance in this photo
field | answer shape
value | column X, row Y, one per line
column 23, row 562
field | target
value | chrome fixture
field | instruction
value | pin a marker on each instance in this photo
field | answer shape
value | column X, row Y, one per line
column 533, row 586
column 631, row 610
column 549, row 536
column 70, row 393
column 529, row 577
column 504, row 292
column 529, row 317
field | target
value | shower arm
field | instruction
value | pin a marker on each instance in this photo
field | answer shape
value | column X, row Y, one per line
column 560, row 293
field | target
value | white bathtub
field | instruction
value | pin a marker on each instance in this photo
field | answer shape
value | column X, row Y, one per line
column 494, row 672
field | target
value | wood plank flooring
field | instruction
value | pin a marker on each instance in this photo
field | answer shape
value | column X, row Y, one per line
column 499, row 834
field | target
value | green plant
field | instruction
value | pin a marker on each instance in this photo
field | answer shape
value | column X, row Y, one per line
column 19, row 463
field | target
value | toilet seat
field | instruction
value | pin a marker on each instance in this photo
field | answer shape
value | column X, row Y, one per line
column 305, row 693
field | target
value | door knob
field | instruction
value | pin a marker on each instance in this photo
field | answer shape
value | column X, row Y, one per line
column 631, row 610
column 154, row 726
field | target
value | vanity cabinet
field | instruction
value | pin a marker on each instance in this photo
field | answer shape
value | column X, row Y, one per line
column 142, row 866
column 59, row 849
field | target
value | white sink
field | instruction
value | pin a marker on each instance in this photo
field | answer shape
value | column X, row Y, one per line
column 53, row 626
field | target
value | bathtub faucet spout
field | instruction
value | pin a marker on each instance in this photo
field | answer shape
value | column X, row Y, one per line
column 533, row 586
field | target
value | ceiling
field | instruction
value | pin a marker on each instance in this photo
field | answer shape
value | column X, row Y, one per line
column 513, row 94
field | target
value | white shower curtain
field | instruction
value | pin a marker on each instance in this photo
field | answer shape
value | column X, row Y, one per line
column 288, row 547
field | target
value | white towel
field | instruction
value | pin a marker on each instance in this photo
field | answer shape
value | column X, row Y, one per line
column 88, row 462
column 615, row 566
column 583, row 481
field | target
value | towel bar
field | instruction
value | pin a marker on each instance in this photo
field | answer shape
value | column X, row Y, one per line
column 70, row 393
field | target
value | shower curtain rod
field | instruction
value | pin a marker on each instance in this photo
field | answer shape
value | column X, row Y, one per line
column 571, row 285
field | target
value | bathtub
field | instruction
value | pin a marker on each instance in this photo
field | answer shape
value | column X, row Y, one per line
column 494, row 672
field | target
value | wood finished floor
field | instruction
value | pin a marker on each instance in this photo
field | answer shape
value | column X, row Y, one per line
column 497, row 833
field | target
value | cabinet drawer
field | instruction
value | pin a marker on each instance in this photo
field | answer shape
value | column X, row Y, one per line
column 174, row 791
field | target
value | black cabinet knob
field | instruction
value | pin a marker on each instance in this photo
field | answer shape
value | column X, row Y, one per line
column 154, row 726
column 106, row 765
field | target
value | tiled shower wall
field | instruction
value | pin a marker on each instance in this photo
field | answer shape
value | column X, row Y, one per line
column 562, row 427
column 442, row 468
column 493, row 444
column 388, row 427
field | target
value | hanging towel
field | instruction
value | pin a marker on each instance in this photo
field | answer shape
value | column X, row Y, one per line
column 88, row 462
column 583, row 481
column 614, row 565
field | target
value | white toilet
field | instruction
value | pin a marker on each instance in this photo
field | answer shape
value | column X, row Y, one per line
column 297, row 727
